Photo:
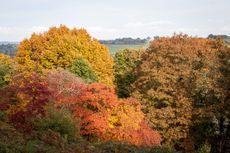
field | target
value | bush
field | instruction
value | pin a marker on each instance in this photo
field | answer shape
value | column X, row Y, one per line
column 60, row 121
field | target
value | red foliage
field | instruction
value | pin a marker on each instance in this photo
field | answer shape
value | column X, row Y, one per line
column 109, row 118
column 27, row 96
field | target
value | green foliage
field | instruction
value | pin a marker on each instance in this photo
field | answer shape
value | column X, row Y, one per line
column 59, row 121
column 125, row 63
column 118, row 147
column 82, row 69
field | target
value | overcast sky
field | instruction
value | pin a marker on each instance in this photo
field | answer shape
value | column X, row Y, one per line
column 107, row 19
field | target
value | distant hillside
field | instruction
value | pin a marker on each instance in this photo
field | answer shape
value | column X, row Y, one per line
column 225, row 37
column 126, row 41
column 8, row 48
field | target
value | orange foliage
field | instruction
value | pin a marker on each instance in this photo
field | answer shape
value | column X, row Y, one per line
column 173, row 72
column 109, row 118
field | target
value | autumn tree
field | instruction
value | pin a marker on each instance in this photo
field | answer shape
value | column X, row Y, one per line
column 176, row 82
column 27, row 96
column 106, row 117
column 6, row 69
column 125, row 63
column 60, row 47
column 64, row 86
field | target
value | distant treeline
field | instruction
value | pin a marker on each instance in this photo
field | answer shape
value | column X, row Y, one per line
column 125, row 41
column 225, row 37
column 8, row 48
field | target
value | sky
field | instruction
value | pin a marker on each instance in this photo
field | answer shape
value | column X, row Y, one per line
column 109, row 19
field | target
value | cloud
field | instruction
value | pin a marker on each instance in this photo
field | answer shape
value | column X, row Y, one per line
column 38, row 29
column 101, row 29
column 225, row 29
column 19, row 33
column 153, row 24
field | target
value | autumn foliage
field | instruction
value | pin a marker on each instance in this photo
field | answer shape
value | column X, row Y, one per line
column 60, row 47
column 7, row 67
column 176, row 82
column 26, row 97
column 109, row 118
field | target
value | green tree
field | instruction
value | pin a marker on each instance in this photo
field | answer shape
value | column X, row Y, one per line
column 125, row 63
column 82, row 69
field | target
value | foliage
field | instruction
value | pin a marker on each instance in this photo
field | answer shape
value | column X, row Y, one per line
column 59, row 47
column 176, row 82
column 125, row 63
column 27, row 96
column 64, row 85
column 6, row 69
column 60, row 121
column 106, row 117
column 118, row 147
column 82, row 69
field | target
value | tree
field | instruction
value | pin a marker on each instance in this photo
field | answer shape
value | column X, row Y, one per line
column 177, row 85
column 60, row 47
column 82, row 69
column 106, row 117
column 6, row 69
column 125, row 63
column 64, row 86
column 27, row 96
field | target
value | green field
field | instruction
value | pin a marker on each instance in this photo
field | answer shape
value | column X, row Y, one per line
column 113, row 48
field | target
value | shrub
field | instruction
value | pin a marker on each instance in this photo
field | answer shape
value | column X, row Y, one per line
column 60, row 121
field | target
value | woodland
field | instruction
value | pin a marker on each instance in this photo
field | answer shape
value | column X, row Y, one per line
column 63, row 92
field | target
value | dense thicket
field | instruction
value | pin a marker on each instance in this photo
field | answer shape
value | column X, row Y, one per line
column 58, row 112
column 60, row 47
column 178, row 85
column 57, row 95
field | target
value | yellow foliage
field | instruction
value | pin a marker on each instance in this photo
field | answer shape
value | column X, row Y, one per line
column 59, row 47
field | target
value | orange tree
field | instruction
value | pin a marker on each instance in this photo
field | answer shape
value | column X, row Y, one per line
column 175, row 75
column 59, row 47
column 106, row 117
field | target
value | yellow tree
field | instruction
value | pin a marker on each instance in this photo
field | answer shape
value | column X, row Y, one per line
column 59, row 47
